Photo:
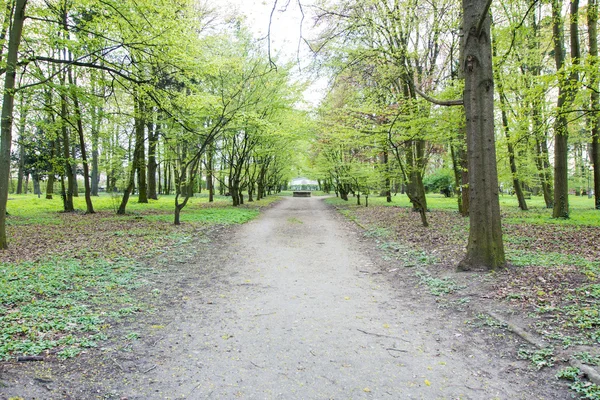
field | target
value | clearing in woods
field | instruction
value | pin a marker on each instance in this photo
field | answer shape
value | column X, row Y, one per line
column 294, row 305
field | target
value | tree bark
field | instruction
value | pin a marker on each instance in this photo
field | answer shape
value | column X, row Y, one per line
column 8, row 103
column 511, row 150
column 594, row 96
column 95, row 177
column 210, row 180
column 153, row 133
column 565, row 98
column 485, row 247
column 140, row 152
column 51, row 176
column 84, row 160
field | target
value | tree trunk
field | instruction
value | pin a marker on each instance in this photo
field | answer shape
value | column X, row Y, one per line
column 67, row 195
column 35, row 177
column 86, row 170
column 8, row 102
column 153, row 133
column 485, row 247
column 140, row 152
column 95, row 138
column 51, row 173
column 22, row 152
column 594, row 96
column 511, row 151
column 210, row 180
column 565, row 97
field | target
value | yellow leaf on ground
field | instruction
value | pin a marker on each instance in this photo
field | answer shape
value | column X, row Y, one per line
column 427, row 382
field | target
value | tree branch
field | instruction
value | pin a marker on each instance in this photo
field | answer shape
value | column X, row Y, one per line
column 482, row 17
column 446, row 103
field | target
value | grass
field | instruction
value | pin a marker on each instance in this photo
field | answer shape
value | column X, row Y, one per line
column 67, row 277
column 582, row 208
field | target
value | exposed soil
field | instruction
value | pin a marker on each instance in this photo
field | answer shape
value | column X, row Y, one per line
column 298, row 304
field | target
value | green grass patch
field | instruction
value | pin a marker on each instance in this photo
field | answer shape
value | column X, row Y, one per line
column 216, row 216
column 62, row 304
column 523, row 258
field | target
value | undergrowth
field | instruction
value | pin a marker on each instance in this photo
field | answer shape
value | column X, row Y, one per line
column 63, row 305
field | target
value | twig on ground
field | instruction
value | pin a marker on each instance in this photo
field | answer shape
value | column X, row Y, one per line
column 117, row 364
column 385, row 336
column 150, row 369
column 264, row 315
column 30, row 358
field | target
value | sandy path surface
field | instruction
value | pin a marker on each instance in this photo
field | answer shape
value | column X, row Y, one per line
column 295, row 307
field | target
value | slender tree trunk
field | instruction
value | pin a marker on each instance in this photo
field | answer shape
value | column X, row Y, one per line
column 22, row 152
column 51, row 173
column 542, row 159
column 485, row 248
column 70, row 188
column 8, row 102
column 210, row 180
column 153, row 132
column 594, row 96
column 86, row 169
column 140, row 152
column 511, row 151
column 96, row 121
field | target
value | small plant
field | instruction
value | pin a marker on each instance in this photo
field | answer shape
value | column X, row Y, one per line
column 378, row 232
column 68, row 352
column 487, row 320
column 587, row 358
column 569, row 373
column 539, row 358
column 437, row 286
column 585, row 389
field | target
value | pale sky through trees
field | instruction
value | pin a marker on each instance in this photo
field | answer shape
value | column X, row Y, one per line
column 285, row 34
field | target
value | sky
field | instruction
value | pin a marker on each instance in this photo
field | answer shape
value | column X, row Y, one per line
column 285, row 34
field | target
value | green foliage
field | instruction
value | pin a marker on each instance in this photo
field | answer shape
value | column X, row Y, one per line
column 62, row 303
column 587, row 358
column 442, row 181
column 539, row 358
column 585, row 389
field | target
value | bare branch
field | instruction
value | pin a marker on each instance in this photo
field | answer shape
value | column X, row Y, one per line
column 447, row 103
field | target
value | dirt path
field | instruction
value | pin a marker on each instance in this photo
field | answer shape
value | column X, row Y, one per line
column 295, row 307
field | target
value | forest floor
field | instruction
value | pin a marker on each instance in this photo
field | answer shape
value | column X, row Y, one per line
column 301, row 303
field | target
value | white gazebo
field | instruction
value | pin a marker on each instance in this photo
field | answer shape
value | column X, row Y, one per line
column 302, row 183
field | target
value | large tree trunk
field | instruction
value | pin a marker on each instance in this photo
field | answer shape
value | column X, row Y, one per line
column 566, row 87
column 485, row 248
column 594, row 96
column 8, row 103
